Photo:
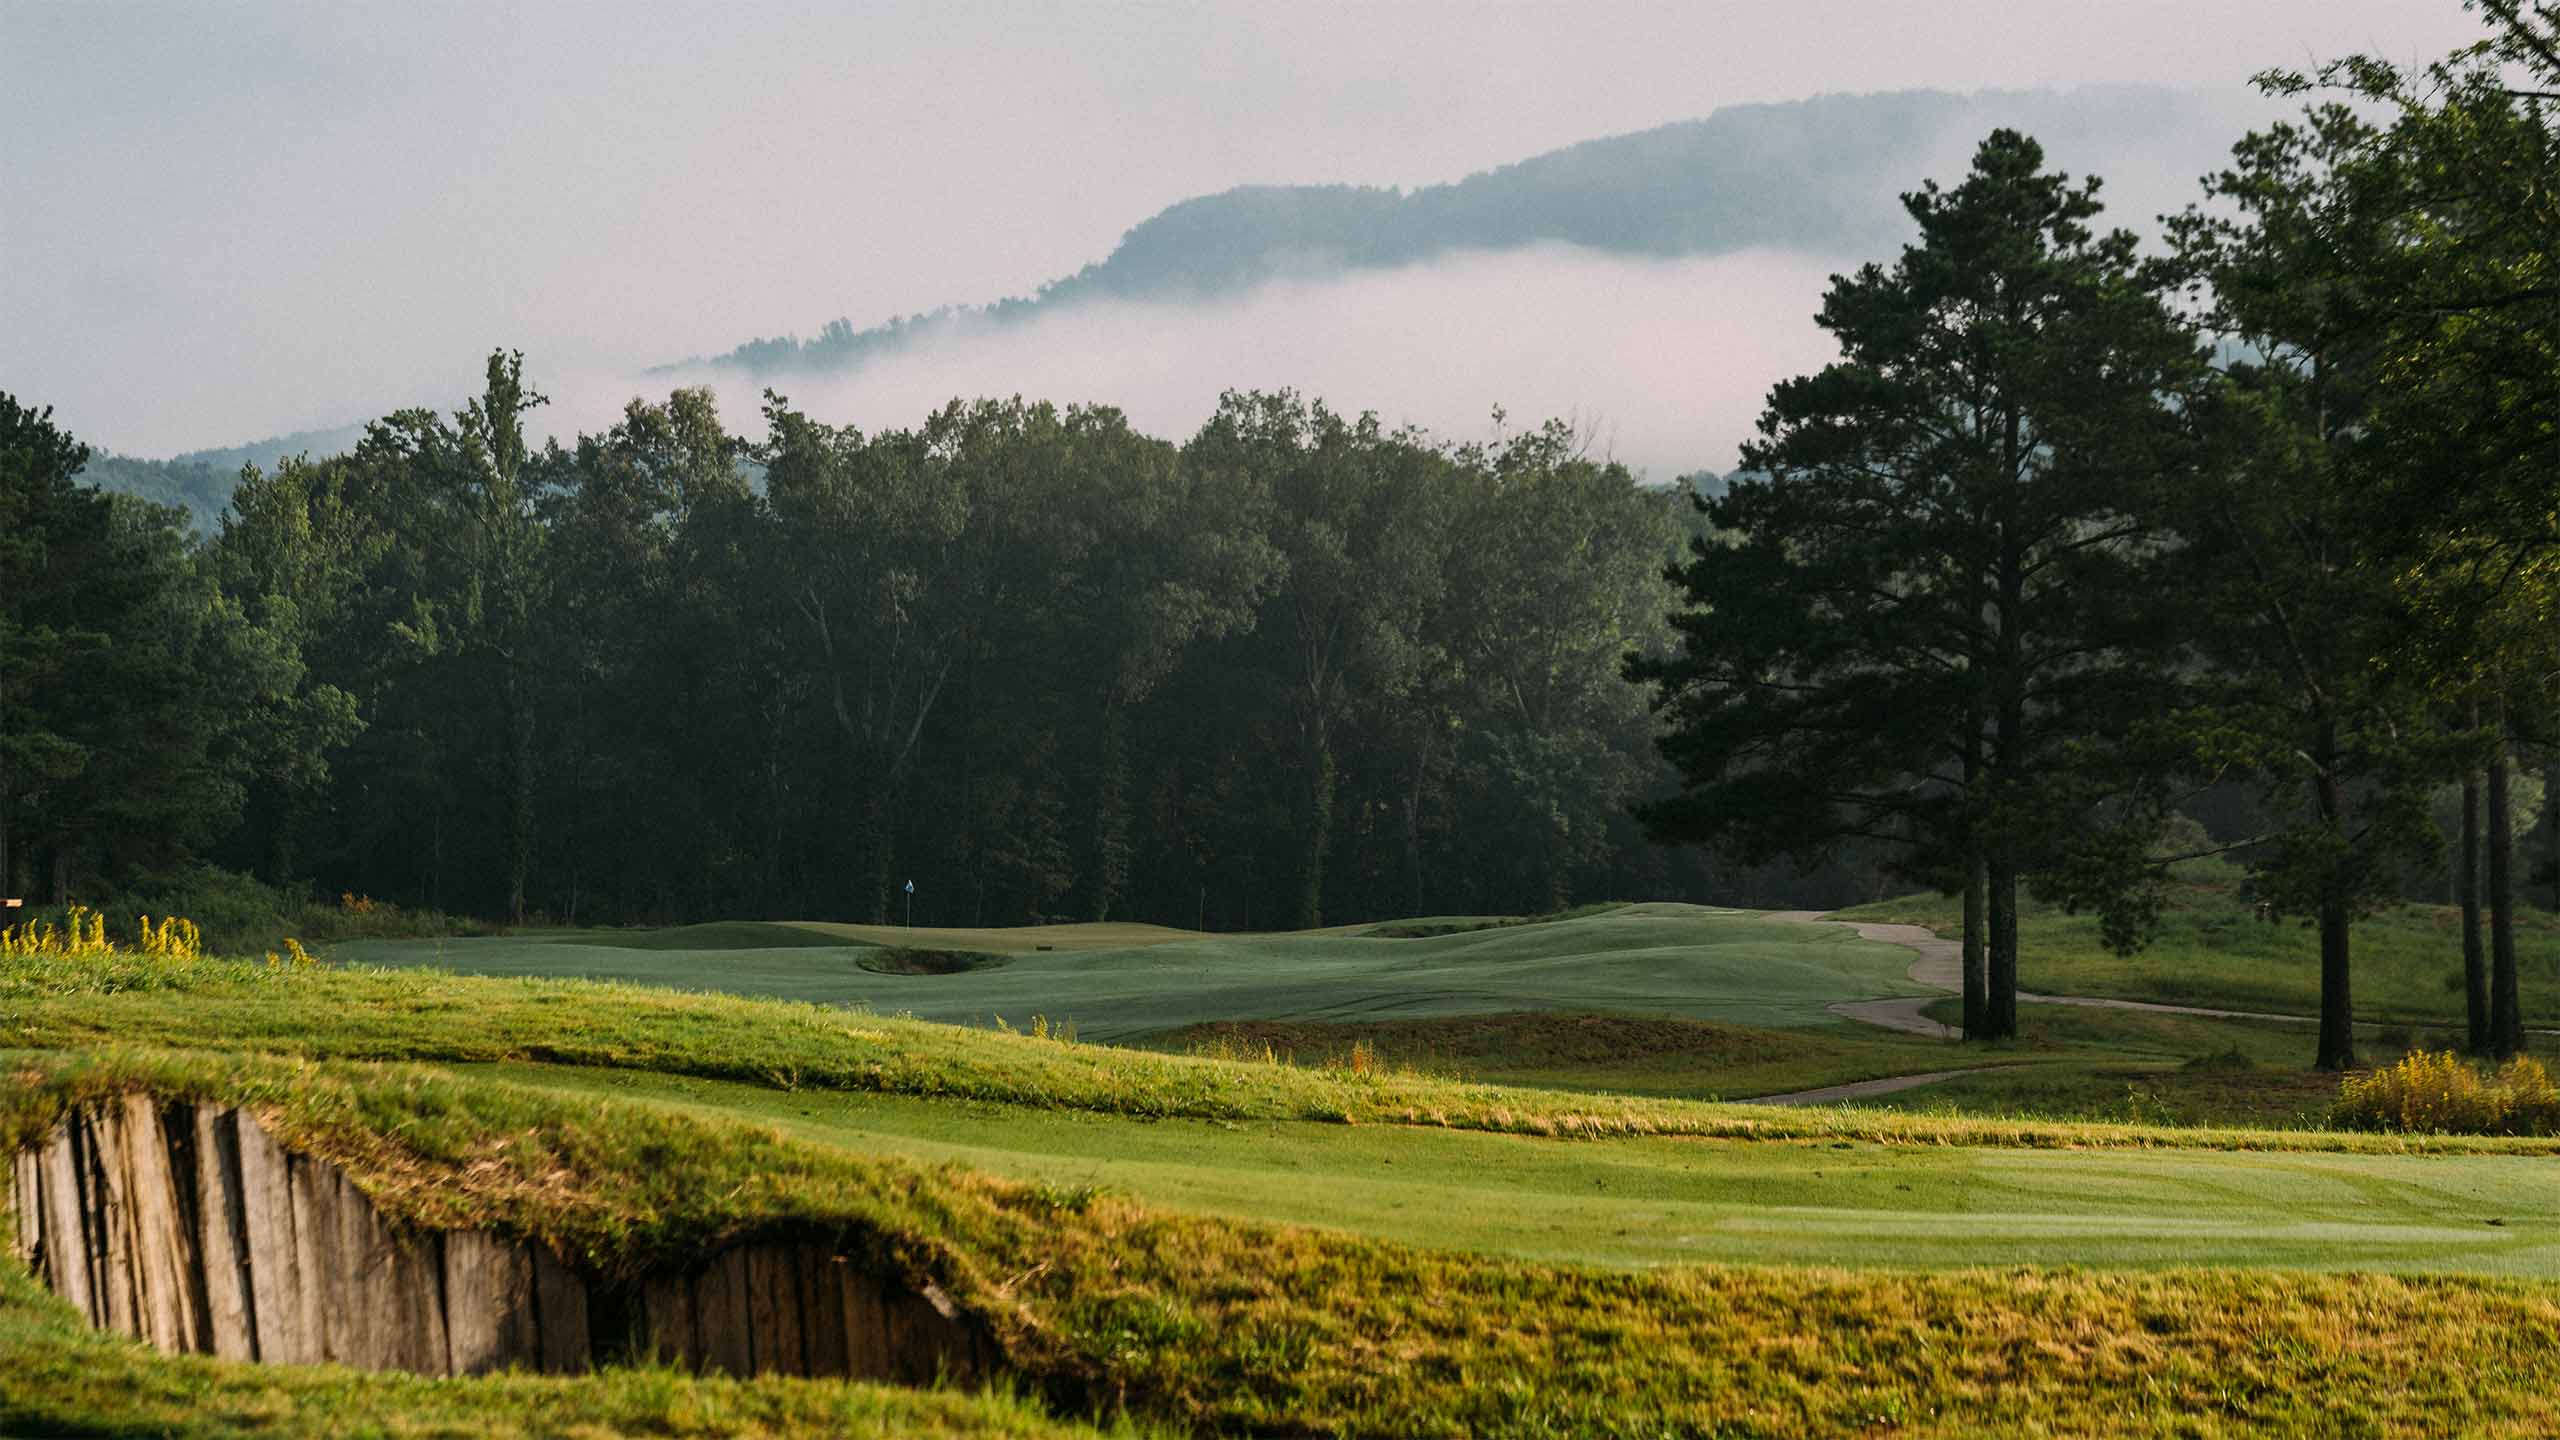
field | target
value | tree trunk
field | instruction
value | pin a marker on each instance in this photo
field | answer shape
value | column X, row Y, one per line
column 1111, row 813
column 871, row 880
column 2550, row 817
column 1999, row 768
column 2000, row 999
column 1319, row 837
column 2337, row 1008
column 8, row 868
column 2337, row 1000
column 1413, row 826
column 2475, row 964
column 62, row 873
column 2506, row 1024
column 520, row 793
column 1977, row 978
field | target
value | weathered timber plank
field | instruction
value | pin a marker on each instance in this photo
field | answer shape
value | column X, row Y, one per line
column 560, row 1303
column 26, row 1201
column 666, row 1332
column 373, row 1339
column 822, row 1334
column 421, row 1271
column 166, row 1270
column 488, row 1304
column 283, row 1331
column 112, row 1186
column 773, row 1305
column 722, row 1314
column 318, row 1261
column 866, row 1324
column 407, row 1289
column 222, row 1235
column 70, row 1257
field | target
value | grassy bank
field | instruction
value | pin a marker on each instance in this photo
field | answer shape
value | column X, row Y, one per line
column 366, row 1014
column 1222, row 1325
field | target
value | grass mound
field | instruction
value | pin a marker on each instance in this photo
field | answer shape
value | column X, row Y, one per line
column 1468, row 924
column 903, row 961
column 716, row 935
column 355, row 1013
column 1120, row 982
column 1225, row 1327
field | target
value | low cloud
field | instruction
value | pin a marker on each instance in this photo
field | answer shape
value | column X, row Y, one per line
column 1662, row 363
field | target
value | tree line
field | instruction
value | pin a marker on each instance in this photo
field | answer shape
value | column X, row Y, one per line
column 1298, row 669
column 2074, row 541
column 2084, row 558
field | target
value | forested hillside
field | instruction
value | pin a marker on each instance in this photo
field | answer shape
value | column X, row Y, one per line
column 200, row 481
column 1817, row 176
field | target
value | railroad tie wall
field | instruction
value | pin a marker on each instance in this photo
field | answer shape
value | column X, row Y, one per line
column 190, row 1227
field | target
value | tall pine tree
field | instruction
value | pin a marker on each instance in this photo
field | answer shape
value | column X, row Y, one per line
column 1932, row 590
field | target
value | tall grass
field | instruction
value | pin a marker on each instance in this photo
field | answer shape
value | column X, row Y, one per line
column 82, row 935
column 2443, row 1094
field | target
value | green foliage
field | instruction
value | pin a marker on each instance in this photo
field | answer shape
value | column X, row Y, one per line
column 1932, row 600
column 130, row 686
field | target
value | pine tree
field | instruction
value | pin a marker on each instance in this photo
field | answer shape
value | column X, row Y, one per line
column 1931, row 592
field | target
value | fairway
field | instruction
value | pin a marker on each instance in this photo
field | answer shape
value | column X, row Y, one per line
column 1642, row 1202
column 1654, row 959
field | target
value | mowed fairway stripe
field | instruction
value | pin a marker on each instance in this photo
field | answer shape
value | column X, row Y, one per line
column 1649, row 1202
column 1688, row 961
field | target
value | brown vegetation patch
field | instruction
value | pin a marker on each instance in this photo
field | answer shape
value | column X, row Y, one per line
column 1522, row 1039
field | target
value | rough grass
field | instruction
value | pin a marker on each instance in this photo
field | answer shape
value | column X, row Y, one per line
column 1643, row 1202
column 2073, row 1063
column 1617, row 1054
column 1227, row 1327
column 367, row 1014
column 1429, row 927
column 2212, row 950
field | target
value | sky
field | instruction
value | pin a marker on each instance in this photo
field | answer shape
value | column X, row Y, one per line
column 224, row 219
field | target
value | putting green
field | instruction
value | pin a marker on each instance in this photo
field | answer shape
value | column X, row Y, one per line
column 1651, row 1202
column 1656, row 959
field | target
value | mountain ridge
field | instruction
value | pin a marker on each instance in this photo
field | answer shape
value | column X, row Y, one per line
column 1730, row 180
column 1820, row 175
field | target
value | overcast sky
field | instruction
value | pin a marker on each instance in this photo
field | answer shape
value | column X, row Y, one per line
column 220, row 221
